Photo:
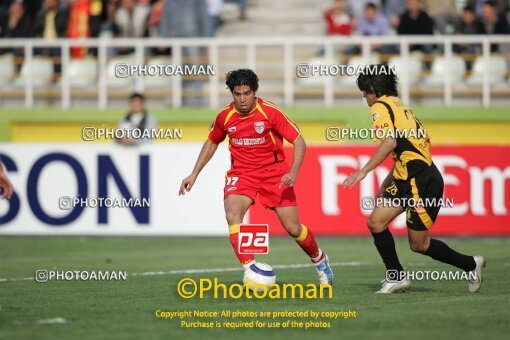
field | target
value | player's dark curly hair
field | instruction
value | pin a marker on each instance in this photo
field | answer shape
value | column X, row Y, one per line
column 378, row 79
column 242, row 77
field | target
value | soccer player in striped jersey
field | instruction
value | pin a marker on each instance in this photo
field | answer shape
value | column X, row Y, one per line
column 414, row 179
column 256, row 129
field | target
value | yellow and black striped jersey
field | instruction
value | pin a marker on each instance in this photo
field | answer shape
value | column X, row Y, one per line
column 391, row 118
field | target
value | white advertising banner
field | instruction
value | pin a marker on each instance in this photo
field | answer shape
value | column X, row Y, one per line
column 104, row 189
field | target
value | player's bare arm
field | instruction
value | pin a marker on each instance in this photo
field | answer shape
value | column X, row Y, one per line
column 385, row 148
column 5, row 184
column 207, row 152
column 299, row 154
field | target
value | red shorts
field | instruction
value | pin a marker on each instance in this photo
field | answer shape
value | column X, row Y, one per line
column 264, row 182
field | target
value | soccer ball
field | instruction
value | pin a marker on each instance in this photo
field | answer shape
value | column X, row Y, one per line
column 260, row 274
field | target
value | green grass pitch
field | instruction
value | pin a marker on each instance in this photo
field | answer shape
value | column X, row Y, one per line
column 125, row 309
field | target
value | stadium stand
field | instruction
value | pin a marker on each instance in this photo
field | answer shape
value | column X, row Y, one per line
column 288, row 33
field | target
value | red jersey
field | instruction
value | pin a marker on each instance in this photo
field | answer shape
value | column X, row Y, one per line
column 255, row 138
column 340, row 25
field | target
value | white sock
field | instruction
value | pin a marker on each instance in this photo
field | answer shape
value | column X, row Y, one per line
column 248, row 264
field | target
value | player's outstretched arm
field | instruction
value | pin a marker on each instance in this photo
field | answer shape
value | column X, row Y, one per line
column 299, row 154
column 385, row 148
column 208, row 150
column 5, row 184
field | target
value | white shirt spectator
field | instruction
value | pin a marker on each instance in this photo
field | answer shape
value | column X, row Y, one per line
column 132, row 25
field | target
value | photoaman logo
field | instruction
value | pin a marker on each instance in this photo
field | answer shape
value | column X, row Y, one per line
column 188, row 288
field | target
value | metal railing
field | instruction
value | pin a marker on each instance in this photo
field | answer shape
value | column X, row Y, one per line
column 214, row 45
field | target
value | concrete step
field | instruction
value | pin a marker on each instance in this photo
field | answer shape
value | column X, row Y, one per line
column 285, row 4
column 292, row 15
column 237, row 29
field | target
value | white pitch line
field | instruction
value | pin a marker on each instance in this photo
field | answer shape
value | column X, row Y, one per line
column 21, row 279
column 50, row 321
column 236, row 269
column 214, row 270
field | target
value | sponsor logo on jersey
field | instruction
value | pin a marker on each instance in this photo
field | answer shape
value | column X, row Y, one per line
column 231, row 129
column 248, row 141
column 259, row 127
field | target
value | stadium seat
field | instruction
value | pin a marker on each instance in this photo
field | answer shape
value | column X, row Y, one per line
column 439, row 67
column 118, row 82
column 42, row 72
column 314, row 80
column 158, row 81
column 6, row 69
column 349, row 80
column 497, row 71
column 412, row 68
column 82, row 72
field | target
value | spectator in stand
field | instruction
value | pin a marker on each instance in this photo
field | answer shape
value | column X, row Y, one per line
column 374, row 23
column 14, row 24
column 214, row 8
column 415, row 21
column 154, row 26
column 468, row 24
column 187, row 19
column 243, row 5
column 79, row 25
column 51, row 23
column 478, row 5
column 154, row 19
column 98, row 15
column 356, row 8
column 32, row 8
column 338, row 22
column 130, row 22
column 393, row 10
column 492, row 23
column 108, row 25
column 444, row 13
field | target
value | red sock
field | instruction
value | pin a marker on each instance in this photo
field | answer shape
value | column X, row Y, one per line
column 307, row 242
column 245, row 259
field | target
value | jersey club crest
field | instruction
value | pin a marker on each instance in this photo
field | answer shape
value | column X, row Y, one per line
column 259, row 127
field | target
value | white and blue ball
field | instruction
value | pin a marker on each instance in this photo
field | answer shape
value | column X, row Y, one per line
column 260, row 276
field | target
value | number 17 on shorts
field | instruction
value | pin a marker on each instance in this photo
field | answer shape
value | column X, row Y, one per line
column 253, row 239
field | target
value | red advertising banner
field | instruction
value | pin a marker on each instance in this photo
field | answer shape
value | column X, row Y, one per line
column 477, row 191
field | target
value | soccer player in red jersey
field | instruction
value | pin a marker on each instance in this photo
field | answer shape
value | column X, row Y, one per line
column 256, row 129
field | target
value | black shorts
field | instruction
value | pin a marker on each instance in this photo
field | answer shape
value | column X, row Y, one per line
column 421, row 197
